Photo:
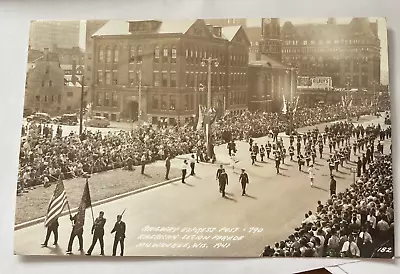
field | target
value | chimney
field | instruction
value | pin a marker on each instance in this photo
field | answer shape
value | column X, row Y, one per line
column 210, row 28
column 73, row 72
column 46, row 54
column 217, row 31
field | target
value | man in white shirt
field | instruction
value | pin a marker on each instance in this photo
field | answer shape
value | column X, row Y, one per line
column 350, row 248
column 192, row 165
column 184, row 170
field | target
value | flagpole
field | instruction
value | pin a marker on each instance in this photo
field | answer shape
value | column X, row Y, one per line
column 91, row 207
column 69, row 209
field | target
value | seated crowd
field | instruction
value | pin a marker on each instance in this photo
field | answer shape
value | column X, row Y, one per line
column 351, row 224
column 45, row 156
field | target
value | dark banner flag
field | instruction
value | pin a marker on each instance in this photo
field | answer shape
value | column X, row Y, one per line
column 85, row 203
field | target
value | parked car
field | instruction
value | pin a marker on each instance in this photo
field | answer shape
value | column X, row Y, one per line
column 97, row 121
column 39, row 117
column 69, row 119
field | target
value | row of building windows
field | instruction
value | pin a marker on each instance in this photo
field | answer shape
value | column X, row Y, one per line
column 334, row 59
column 47, row 98
column 326, row 42
column 107, row 99
column 169, row 55
column 330, row 50
column 165, row 102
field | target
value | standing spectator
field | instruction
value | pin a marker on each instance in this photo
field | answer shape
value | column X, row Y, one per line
column 143, row 163
column 192, row 165
column 167, row 167
column 184, row 170
column 350, row 248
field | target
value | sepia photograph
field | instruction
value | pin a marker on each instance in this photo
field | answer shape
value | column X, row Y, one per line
column 242, row 137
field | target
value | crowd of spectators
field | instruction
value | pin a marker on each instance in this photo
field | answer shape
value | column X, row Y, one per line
column 351, row 224
column 45, row 154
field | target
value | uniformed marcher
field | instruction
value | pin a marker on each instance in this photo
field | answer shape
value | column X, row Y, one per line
column 78, row 232
column 184, row 171
column 219, row 171
column 119, row 237
column 243, row 180
column 291, row 152
column 52, row 227
column 332, row 185
column 223, row 182
column 98, row 233
column 167, row 167
column 253, row 157
column 262, row 153
column 268, row 147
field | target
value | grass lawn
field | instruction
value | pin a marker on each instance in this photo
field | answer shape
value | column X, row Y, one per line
column 33, row 205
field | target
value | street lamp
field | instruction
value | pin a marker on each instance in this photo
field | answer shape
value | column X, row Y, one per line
column 209, row 62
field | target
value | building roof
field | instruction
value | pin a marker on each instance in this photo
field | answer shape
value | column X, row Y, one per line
column 361, row 26
column 229, row 33
column 265, row 61
column 176, row 26
column 253, row 33
column 113, row 27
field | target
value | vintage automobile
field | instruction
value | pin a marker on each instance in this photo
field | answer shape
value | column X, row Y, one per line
column 97, row 121
column 39, row 117
column 69, row 119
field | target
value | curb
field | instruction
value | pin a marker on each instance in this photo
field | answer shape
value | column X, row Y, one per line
column 100, row 202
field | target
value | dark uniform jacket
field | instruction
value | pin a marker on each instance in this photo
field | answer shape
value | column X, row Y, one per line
column 223, row 179
column 98, row 226
column 119, row 229
column 244, row 178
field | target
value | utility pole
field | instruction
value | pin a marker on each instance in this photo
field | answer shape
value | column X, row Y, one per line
column 209, row 61
column 140, row 97
column 81, row 110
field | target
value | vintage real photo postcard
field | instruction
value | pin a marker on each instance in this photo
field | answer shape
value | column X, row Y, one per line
column 266, row 137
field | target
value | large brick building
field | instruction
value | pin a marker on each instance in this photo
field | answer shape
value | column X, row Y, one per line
column 349, row 53
column 165, row 57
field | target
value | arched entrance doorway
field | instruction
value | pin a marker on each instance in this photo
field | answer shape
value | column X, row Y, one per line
column 130, row 110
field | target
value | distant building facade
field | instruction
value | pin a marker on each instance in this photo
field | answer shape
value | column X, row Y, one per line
column 226, row 22
column 44, row 34
column 348, row 53
column 269, row 81
column 164, row 59
column 45, row 85
column 254, row 35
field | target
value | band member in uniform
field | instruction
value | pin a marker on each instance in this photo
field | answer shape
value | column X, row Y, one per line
column 223, row 182
column 262, row 153
column 75, row 232
column 52, row 227
column 253, row 157
column 298, row 147
column 243, row 180
column 291, row 152
column 268, row 148
column 321, row 149
column 330, row 146
column 192, row 165
column 291, row 139
column 277, row 161
column 355, row 147
column 331, row 162
column 98, row 233
column 283, row 155
column 300, row 161
column 219, row 171
column 119, row 229
column 311, row 175
column 332, row 185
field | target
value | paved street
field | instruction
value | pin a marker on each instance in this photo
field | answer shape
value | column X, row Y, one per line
column 275, row 205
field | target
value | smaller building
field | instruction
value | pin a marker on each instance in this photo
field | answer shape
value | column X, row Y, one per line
column 45, row 85
column 269, row 81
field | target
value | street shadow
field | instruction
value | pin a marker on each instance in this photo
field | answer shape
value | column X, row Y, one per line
column 340, row 177
column 320, row 188
column 196, row 176
column 249, row 196
column 146, row 175
column 317, row 164
column 187, row 184
column 287, row 164
column 230, row 194
column 284, row 175
column 229, row 198
column 283, row 168
column 56, row 250
column 304, row 171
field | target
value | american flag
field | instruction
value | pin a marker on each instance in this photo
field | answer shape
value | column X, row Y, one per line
column 57, row 203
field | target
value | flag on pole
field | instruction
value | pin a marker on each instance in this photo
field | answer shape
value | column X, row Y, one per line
column 295, row 106
column 57, row 203
column 85, row 203
column 284, row 108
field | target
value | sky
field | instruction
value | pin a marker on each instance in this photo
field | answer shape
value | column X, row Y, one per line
column 382, row 32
